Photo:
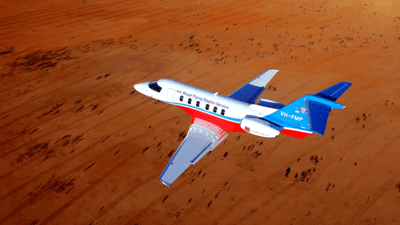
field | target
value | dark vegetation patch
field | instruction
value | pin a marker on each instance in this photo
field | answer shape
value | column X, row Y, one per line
column 38, row 60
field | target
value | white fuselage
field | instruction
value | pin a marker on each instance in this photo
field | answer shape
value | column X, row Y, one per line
column 218, row 109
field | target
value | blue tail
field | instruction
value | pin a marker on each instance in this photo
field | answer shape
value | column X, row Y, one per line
column 310, row 113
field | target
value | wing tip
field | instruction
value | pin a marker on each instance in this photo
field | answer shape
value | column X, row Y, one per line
column 165, row 183
column 273, row 70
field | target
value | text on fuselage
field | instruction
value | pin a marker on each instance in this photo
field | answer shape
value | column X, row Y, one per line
column 205, row 100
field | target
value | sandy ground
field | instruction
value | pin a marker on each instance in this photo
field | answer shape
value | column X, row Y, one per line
column 79, row 146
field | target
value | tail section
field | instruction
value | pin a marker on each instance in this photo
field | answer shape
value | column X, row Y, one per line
column 309, row 113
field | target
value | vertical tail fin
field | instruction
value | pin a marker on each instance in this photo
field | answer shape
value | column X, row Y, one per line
column 309, row 113
column 317, row 115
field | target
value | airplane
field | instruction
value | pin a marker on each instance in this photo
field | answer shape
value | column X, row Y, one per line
column 213, row 115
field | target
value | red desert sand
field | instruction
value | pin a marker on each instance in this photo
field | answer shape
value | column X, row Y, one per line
column 80, row 146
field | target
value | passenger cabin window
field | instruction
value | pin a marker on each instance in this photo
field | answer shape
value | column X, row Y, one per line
column 222, row 111
column 207, row 106
column 181, row 98
column 154, row 86
column 215, row 109
column 198, row 103
column 190, row 101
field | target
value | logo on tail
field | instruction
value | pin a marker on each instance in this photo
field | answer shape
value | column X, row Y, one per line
column 302, row 110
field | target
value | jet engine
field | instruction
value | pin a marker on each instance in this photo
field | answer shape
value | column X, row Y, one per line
column 260, row 127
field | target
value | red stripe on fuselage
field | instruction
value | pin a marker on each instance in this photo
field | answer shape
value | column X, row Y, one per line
column 228, row 126
column 294, row 133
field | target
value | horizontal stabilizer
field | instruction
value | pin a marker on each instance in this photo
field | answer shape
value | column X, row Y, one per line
column 334, row 92
column 318, row 116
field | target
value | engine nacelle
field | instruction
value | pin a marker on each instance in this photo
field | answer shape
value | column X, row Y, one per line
column 260, row 127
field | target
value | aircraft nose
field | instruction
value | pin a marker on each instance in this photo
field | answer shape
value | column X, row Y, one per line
column 140, row 87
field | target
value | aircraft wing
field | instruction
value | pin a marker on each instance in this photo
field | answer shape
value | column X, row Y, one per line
column 202, row 137
column 250, row 91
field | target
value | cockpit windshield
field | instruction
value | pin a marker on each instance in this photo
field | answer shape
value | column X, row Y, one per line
column 154, row 86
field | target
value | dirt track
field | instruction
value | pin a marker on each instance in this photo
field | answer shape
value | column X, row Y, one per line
column 79, row 146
